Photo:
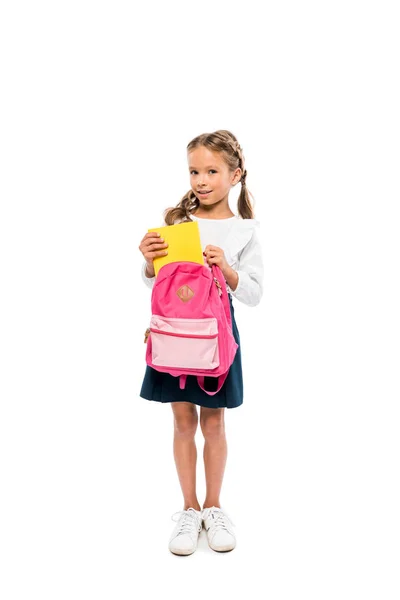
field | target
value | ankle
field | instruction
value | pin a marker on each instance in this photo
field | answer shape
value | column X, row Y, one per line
column 194, row 505
column 210, row 504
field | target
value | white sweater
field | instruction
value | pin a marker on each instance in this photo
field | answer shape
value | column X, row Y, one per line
column 240, row 242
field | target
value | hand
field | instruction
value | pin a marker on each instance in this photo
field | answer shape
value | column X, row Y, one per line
column 152, row 246
column 216, row 256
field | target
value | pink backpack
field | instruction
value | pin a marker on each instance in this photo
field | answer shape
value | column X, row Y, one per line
column 191, row 328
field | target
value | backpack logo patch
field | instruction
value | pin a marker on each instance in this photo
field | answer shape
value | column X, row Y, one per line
column 185, row 293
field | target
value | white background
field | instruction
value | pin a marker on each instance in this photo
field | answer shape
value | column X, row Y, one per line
column 98, row 103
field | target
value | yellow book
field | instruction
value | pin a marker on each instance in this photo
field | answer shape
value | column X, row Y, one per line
column 183, row 242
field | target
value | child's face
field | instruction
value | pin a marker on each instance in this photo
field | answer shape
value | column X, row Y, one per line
column 209, row 172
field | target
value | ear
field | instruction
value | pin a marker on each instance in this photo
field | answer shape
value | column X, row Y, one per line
column 236, row 176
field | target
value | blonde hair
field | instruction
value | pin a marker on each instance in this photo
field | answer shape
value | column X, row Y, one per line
column 224, row 142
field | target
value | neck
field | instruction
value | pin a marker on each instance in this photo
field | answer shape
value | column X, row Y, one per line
column 214, row 212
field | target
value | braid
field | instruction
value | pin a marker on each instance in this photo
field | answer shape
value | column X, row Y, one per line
column 245, row 208
column 183, row 210
column 237, row 149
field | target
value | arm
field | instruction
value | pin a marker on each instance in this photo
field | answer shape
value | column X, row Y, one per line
column 231, row 278
column 250, row 274
column 149, row 281
column 151, row 247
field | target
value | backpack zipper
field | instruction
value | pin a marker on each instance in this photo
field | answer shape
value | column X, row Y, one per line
column 186, row 335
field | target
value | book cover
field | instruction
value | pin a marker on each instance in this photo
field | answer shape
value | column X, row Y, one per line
column 183, row 242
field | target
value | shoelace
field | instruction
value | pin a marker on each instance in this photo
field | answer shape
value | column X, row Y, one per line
column 188, row 518
column 220, row 519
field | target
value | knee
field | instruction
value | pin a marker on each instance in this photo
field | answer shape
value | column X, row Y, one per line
column 212, row 427
column 185, row 426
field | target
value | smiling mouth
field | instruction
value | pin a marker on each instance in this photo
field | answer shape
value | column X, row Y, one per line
column 204, row 193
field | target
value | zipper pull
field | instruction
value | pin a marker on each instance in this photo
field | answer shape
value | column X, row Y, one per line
column 146, row 334
column 217, row 283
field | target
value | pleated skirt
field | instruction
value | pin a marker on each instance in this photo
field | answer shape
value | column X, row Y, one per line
column 163, row 387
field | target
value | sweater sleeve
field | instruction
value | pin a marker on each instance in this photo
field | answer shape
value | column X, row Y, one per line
column 149, row 281
column 250, row 270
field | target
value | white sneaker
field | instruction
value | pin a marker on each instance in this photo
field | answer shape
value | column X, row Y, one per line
column 186, row 533
column 219, row 529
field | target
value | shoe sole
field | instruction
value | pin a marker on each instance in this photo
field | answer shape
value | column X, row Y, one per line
column 224, row 548
column 182, row 552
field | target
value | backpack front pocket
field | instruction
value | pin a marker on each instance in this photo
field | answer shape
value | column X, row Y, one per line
column 184, row 343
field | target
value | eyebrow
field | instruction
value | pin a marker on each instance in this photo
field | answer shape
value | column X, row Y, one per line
column 209, row 167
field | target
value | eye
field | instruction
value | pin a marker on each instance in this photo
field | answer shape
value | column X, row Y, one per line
column 212, row 170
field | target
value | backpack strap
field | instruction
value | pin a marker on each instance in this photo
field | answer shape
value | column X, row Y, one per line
column 221, row 381
column 217, row 273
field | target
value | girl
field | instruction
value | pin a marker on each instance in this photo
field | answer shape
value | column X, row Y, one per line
column 216, row 164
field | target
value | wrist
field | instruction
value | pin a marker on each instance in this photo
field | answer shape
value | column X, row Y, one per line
column 149, row 271
column 231, row 277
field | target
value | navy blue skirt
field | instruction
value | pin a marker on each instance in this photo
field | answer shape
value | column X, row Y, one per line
column 163, row 387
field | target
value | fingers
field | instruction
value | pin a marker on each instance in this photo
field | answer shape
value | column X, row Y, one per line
column 151, row 236
column 212, row 253
column 152, row 240
column 213, row 257
column 153, row 246
column 154, row 254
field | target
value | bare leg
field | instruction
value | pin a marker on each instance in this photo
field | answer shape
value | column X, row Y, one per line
column 215, row 452
column 185, row 452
